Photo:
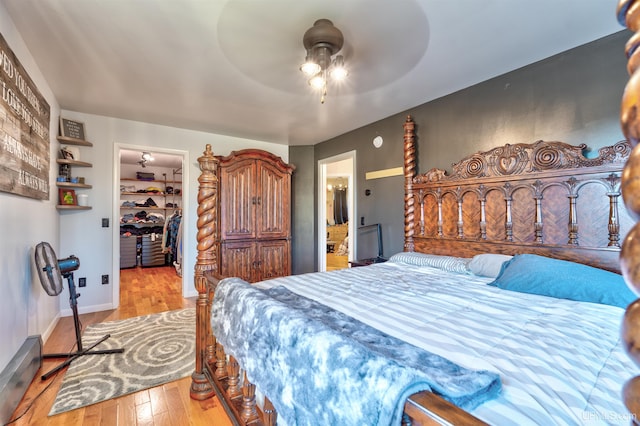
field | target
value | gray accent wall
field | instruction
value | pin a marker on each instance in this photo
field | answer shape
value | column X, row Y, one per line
column 573, row 97
column 303, row 197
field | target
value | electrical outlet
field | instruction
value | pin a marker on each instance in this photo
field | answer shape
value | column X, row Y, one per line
column 105, row 279
column 82, row 282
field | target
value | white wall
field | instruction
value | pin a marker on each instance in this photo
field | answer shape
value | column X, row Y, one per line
column 81, row 231
column 25, row 309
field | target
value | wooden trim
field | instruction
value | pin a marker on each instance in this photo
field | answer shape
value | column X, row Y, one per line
column 257, row 154
column 379, row 174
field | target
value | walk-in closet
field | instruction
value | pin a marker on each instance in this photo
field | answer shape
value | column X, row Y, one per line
column 150, row 203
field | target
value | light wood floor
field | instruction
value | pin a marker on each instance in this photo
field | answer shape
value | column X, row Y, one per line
column 335, row 262
column 143, row 291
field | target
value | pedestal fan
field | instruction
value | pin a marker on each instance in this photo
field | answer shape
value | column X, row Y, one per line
column 51, row 270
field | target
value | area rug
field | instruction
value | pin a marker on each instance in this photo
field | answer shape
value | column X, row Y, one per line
column 158, row 348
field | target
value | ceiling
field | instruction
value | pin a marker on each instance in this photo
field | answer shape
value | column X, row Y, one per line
column 158, row 159
column 231, row 67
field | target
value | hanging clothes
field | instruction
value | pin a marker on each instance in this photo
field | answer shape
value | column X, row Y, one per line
column 340, row 210
column 171, row 236
column 178, row 255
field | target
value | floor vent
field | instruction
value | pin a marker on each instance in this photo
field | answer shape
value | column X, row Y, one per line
column 17, row 376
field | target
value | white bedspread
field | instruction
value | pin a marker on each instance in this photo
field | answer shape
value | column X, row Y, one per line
column 561, row 362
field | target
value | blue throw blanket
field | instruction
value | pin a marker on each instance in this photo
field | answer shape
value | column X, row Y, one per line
column 319, row 366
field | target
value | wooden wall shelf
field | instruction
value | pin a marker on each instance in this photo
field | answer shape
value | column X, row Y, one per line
column 61, row 207
column 73, row 141
column 73, row 185
column 73, row 162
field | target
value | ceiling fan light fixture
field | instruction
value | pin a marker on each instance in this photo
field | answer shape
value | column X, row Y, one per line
column 318, row 81
column 338, row 70
column 322, row 42
column 309, row 67
column 146, row 156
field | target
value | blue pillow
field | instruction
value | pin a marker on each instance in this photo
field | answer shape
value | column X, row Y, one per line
column 530, row 273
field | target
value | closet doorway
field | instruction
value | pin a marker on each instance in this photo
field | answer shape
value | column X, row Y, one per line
column 336, row 211
column 148, row 209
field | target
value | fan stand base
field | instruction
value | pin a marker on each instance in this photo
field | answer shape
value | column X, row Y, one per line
column 71, row 356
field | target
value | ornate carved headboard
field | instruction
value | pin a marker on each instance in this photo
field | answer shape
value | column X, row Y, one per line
column 545, row 198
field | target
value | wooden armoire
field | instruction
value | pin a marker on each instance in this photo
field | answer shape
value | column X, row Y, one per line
column 255, row 215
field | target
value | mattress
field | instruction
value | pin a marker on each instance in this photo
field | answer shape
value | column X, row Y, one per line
column 561, row 362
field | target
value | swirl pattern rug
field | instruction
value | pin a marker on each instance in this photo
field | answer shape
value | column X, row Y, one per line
column 158, row 348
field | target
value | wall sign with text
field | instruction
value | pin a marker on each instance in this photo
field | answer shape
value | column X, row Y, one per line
column 24, row 130
column 71, row 129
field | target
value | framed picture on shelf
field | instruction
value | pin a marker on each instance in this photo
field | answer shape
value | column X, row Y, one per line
column 67, row 197
column 71, row 129
column 66, row 154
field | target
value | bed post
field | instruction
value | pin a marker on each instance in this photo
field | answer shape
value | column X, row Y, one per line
column 629, row 15
column 409, row 174
column 207, row 261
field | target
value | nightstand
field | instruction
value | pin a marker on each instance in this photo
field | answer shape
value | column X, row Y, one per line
column 366, row 262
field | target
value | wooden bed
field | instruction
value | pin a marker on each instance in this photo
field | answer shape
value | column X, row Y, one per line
column 628, row 16
column 544, row 198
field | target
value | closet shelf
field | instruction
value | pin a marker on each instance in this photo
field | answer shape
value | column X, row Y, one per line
column 159, row 194
column 147, row 180
column 148, row 208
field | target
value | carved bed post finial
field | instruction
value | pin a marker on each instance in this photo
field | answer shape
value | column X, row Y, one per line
column 409, row 174
column 207, row 260
column 630, row 254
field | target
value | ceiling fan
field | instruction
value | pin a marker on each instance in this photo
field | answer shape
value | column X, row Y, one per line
column 146, row 156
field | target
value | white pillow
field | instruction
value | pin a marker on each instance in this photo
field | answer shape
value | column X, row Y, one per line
column 487, row 264
column 446, row 263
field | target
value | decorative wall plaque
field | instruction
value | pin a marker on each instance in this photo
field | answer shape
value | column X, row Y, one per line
column 24, row 131
column 71, row 129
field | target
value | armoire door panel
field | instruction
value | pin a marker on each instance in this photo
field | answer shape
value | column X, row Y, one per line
column 273, row 210
column 255, row 215
column 274, row 259
column 238, row 201
column 239, row 260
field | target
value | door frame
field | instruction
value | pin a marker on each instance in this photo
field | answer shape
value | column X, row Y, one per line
column 322, row 206
column 186, row 241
